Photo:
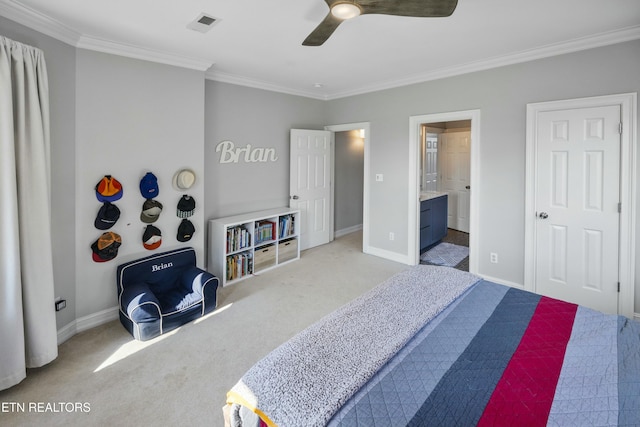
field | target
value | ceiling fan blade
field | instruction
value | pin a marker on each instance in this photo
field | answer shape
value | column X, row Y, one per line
column 414, row 8
column 417, row 8
column 322, row 31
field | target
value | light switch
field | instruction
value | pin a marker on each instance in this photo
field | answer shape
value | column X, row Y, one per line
column 379, row 177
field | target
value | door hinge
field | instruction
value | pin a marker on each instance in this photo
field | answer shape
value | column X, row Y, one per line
column 619, row 207
column 618, row 287
column 620, row 128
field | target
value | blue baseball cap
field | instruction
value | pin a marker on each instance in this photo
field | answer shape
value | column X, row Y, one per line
column 149, row 186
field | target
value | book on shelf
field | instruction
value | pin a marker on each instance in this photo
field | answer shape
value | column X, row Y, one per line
column 238, row 238
column 287, row 225
column 239, row 265
column 265, row 231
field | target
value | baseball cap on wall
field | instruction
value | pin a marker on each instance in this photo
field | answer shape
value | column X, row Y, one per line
column 107, row 216
column 108, row 189
column 151, row 210
column 149, row 186
column 152, row 237
column 106, row 247
column 185, row 230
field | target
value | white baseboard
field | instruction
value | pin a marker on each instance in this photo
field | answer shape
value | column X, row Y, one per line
column 87, row 322
column 67, row 332
column 501, row 281
column 393, row 256
column 348, row 230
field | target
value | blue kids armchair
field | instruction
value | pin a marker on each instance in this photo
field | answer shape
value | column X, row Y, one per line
column 160, row 292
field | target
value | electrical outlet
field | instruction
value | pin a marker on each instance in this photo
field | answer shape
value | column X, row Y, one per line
column 493, row 257
column 61, row 304
column 392, row 236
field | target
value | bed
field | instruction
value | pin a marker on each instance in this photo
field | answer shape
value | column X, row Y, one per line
column 440, row 347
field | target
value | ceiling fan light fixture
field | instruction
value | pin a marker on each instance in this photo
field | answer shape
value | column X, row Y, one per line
column 344, row 10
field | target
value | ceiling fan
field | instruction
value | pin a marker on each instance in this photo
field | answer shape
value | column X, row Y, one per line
column 341, row 10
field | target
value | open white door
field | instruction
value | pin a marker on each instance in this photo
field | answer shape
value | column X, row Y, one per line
column 310, row 184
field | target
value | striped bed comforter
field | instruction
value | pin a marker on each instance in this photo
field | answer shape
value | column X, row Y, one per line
column 489, row 355
column 504, row 357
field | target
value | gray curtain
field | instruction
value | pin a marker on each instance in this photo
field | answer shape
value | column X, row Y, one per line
column 28, row 336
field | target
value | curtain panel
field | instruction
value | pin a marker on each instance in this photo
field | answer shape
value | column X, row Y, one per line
column 28, row 333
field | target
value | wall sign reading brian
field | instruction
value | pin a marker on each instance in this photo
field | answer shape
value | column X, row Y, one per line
column 230, row 154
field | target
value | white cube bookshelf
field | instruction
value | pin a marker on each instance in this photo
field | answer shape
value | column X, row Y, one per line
column 243, row 245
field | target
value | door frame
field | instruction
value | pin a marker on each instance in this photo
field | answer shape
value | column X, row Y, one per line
column 366, row 185
column 628, row 178
column 415, row 122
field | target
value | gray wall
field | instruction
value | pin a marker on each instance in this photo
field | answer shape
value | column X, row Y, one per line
column 133, row 117
column 260, row 118
column 501, row 94
column 348, row 182
column 60, row 59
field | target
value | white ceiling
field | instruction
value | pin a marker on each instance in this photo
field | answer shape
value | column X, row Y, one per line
column 258, row 43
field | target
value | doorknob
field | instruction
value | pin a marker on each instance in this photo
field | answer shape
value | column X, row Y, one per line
column 543, row 215
column 468, row 187
column 295, row 197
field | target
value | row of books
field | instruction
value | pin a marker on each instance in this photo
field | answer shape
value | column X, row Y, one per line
column 238, row 238
column 265, row 231
column 287, row 226
column 239, row 265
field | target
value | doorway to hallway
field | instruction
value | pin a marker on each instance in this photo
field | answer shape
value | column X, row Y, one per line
column 348, row 181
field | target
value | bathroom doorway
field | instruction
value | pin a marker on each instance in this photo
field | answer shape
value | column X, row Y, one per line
column 445, row 166
column 452, row 167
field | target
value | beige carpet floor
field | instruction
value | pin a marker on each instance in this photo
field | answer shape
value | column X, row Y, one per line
column 181, row 378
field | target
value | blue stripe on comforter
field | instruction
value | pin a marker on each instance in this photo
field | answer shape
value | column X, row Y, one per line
column 628, row 372
column 587, row 390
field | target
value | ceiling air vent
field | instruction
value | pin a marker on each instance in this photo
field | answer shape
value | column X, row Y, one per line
column 203, row 23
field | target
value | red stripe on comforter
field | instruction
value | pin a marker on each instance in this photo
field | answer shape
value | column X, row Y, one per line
column 524, row 394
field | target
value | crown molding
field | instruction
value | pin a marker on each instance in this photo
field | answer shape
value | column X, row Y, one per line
column 583, row 43
column 130, row 51
column 40, row 22
column 218, row 76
